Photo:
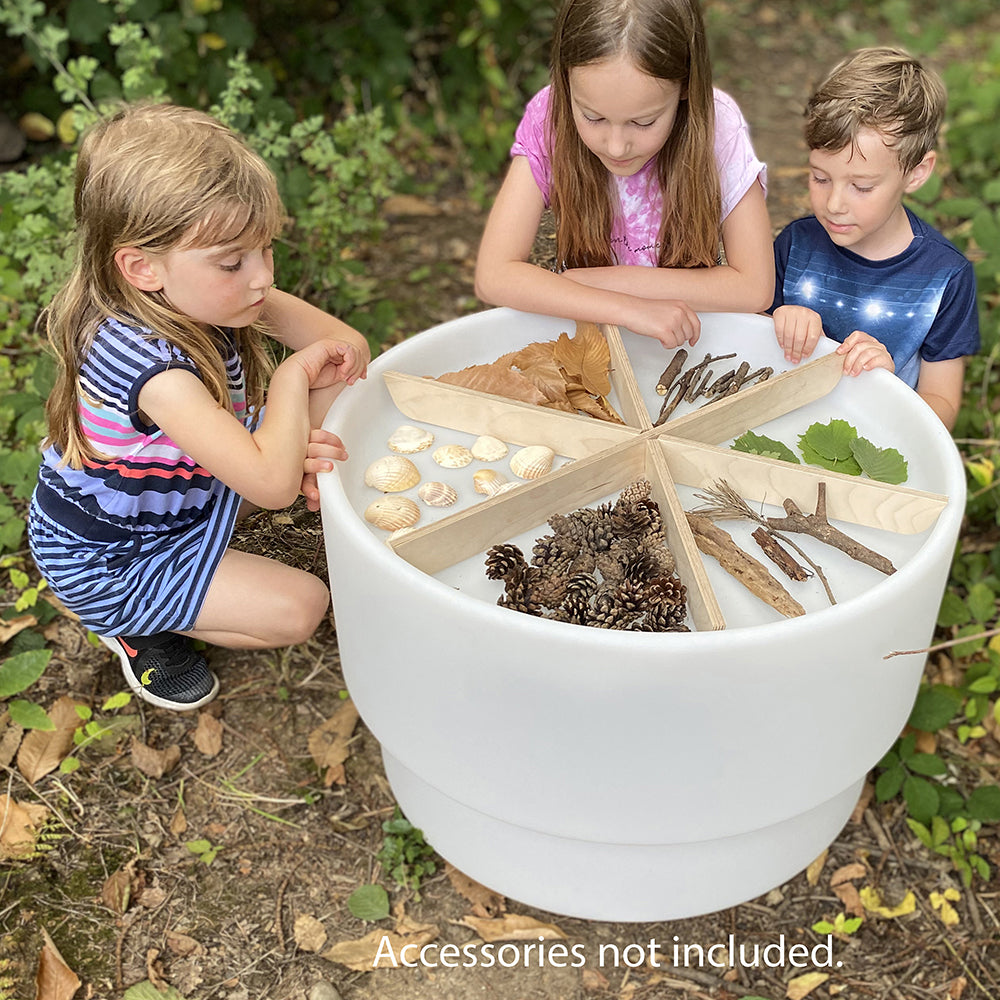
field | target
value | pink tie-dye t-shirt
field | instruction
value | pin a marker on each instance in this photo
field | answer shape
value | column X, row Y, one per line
column 635, row 234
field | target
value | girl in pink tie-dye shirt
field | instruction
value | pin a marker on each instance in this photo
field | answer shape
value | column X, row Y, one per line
column 648, row 170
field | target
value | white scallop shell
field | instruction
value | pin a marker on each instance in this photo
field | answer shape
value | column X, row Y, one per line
column 488, row 481
column 488, row 448
column 532, row 462
column 392, row 474
column 408, row 440
column 452, row 456
column 437, row 494
column 391, row 513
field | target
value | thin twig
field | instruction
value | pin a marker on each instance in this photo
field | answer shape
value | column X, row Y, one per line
column 988, row 634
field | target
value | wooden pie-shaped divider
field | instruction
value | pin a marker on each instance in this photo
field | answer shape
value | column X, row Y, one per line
column 606, row 457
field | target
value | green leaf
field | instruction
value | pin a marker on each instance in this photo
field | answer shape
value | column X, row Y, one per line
column 984, row 804
column 985, row 685
column 17, row 673
column 920, row 832
column 926, row 763
column 823, row 927
column 758, row 444
column 935, row 707
column 921, row 798
column 832, row 440
column 888, row 783
column 982, row 602
column 884, row 464
column 30, row 716
column 812, row 457
column 369, row 902
column 953, row 611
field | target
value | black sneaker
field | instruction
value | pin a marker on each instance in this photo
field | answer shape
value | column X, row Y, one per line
column 164, row 669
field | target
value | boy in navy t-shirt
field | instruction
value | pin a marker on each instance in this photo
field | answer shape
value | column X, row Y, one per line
column 863, row 269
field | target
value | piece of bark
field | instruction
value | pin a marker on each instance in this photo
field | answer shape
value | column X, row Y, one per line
column 819, row 527
column 754, row 575
column 741, row 374
column 671, row 372
column 780, row 557
column 720, row 384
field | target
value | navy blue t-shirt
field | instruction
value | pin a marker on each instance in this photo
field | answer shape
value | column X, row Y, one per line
column 921, row 304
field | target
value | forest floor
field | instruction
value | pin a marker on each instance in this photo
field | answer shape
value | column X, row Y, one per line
column 255, row 908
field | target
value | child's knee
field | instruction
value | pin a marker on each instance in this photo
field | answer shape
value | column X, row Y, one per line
column 305, row 607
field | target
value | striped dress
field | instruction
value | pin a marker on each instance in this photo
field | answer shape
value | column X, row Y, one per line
column 130, row 543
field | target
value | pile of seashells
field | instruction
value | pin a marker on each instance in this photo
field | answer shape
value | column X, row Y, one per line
column 608, row 567
column 395, row 473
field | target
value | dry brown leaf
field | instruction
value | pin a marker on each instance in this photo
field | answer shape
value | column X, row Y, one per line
column 55, row 979
column 10, row 739
column 309, row 933
column 183, row 945
column 848, row 894
column 11, row 626
column 846, row 872
column 152, row 897
column 328, row 743
column 497, row 381
column 864, row 800
column 373, row 950
column 957, row 987
column 42, row 752
column 512, row 927
column 19, row 826
column 802, row 986
column 814, row 869
column 208, row 735
column 116, row 893
column 152, row 762
column 178, row 822
column 485, row 902
column 587, row 356
column 594, row 981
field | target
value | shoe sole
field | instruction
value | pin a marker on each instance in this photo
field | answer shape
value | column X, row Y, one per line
column 146, row 695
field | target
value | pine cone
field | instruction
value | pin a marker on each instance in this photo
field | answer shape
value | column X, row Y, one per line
column 502, row 560
column 519, row 592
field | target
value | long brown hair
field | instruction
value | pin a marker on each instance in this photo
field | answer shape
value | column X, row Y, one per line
column 160, row 178
column 666, row 40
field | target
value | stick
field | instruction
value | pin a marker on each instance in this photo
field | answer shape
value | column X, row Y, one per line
column 671, row 372
column 819, row 527
column 782, row 559
column 754, row 575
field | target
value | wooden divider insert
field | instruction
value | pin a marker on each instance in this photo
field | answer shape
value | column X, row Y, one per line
column 608, row 456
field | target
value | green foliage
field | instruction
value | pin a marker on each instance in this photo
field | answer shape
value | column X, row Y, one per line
column 842, row 924
column 369, row 903
column 759, row 444
column 405, row 856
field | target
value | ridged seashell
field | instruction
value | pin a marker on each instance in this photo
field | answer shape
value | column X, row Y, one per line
column 392, row 474
column 398, row 532
column 392, row 513
column 453, row 456
column 437, row 494
column 532, row 462
column 408, row 440
column 488, row 481
column 488, row 448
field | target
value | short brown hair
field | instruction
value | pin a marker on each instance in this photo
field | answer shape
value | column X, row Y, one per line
column 883, row 89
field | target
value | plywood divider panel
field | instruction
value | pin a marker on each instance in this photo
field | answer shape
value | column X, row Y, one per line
column 623, row 381
column 473, row 412
column 472, row 531
column 703, row 607
column 734, row 415
column 766, row 480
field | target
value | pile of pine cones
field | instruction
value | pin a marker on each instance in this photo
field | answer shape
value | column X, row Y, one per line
column 607, row 567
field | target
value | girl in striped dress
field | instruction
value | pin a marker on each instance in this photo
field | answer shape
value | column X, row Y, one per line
column 158, row 433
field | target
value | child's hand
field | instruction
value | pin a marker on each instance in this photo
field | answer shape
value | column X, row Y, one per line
column 327, row 362
column 671, row 321
column 798, row 330
column 862, row 352
column 324, row 449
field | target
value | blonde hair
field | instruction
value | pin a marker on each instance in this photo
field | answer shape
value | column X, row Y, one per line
column 664, row 39
column 160, row 178
column 884, row 89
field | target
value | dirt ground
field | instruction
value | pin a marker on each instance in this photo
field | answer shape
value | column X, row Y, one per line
column 254, row 918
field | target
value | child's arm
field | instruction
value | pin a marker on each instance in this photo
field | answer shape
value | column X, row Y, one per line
column 265, row 467
column 296, row 323
column 940, row 385
column 798, row 329
column 504, row 276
